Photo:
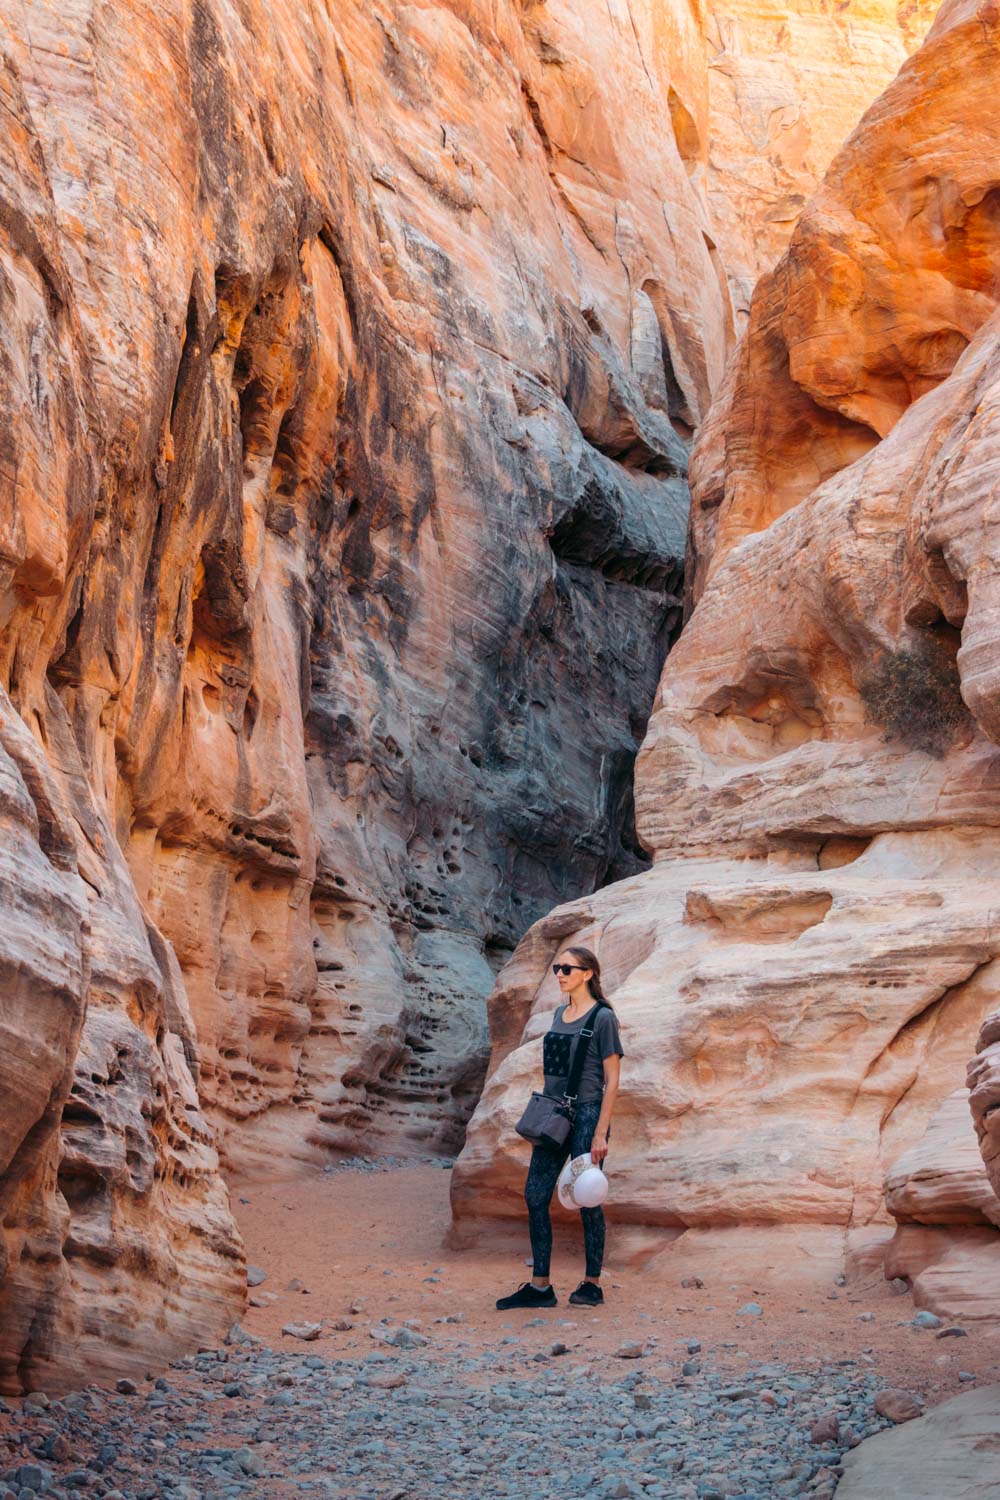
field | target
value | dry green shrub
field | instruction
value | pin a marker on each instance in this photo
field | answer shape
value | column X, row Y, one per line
column 915, row 694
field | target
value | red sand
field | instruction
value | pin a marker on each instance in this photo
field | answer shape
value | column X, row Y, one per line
column 340, row 1233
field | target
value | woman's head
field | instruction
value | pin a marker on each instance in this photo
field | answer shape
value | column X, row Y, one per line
column 584, row 977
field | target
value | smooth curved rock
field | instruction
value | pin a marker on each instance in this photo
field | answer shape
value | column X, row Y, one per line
column 951, row 1450
column 802, row 975
column 942, row 1179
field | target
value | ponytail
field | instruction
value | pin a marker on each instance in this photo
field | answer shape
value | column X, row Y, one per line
column 590, row 961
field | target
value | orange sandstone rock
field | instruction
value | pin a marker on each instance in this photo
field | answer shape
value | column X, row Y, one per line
column 349, row 360
column 803, row 974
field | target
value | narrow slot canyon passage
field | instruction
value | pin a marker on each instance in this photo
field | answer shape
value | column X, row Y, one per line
column 485, row 484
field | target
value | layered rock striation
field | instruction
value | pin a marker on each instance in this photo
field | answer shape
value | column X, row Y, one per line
column 350, row 359
column 802, row 976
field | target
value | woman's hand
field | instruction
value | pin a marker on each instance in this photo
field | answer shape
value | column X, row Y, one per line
column 599, row 1147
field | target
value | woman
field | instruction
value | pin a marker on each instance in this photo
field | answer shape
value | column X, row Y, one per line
column 579, row 976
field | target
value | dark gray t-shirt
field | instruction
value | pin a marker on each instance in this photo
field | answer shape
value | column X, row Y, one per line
column 604, row 1043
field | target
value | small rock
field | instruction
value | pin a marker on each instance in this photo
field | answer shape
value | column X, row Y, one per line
column 954, row 1332
column 126, row 1387
column 305, row 1331
column 690, row 1367
column 557, row 1348
column 34, row 1478
column 357, row 1306
column 255, row 1276
column 391, row 1381
column 899, row 1286
column 238, row 1335
column 294, row 1285
column 631, row 1350
column 691, row 1281
column 341, row 1325
column 866, row 1317
column 924, row 1319
column 56, row 1446
column 750, row 1310
column 965, row 1376
column 694, row 1346
column 399, row 1338
column 826, row 1429
column 898, row 1406
column 36, row 1401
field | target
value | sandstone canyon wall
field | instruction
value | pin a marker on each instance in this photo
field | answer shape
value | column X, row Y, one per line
column 350, row 355
column 802, row 975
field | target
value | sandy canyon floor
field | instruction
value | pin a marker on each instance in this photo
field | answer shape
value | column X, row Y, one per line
column 668, row 1391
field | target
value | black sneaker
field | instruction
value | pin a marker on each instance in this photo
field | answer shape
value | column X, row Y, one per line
column 528, row 1296
column 587, row 1294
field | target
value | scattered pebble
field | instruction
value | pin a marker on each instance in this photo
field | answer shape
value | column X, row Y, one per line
column 305, row 1331
column 826, row 1430
column 898, row 1406
column 399, row 1337
column 247, row 1421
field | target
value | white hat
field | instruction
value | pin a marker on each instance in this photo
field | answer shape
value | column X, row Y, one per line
column 581, row 1183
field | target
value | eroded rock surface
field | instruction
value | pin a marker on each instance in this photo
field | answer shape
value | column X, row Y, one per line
column 984, row 1095
column 350, row 357
column 788, row 83
column 802, row 976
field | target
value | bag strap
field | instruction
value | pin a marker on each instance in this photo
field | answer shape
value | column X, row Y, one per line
column 579, row 1056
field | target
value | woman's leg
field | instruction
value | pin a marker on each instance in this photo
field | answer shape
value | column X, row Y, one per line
column 543, row 1174
column 584, row 1126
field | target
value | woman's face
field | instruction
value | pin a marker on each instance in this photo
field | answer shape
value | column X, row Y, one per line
column 570, row 983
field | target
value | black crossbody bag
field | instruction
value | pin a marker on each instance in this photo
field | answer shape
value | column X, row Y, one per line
column 546, row 1121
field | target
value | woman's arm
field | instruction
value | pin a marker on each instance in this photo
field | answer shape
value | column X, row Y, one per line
column 612, row 1073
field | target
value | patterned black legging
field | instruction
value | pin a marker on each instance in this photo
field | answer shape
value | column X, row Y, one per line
column 543, row 1174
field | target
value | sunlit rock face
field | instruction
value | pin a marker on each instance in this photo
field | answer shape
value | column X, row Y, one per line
column 350, row 359
column 802, row 976
column 787, row 84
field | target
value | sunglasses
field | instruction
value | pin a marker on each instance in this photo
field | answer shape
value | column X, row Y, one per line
column 568, row 968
